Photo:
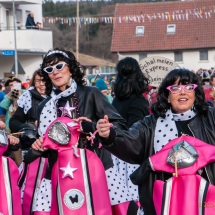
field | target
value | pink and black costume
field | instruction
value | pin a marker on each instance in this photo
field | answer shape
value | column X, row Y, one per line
column 78, row 176
column 88, row 102
column 142, row 141
column 10, row 203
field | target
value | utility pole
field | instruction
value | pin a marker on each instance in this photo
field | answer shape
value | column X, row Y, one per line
column 15, row 49
column 77, row 30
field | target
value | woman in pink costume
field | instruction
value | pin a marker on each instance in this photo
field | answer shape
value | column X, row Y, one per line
column 69, row 97
column 180, row 109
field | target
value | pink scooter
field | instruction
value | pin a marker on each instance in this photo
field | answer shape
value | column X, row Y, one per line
column 10, row 203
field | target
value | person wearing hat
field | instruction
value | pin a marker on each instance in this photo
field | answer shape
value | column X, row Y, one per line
column 102, row 86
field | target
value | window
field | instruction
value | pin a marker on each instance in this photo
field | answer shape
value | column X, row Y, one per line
column 203, row 54
column 19, row 18
column 18, row 15
column 142, row 55
column 139, row 30
column 178, row 56
column 7, row 18
column 170, row 29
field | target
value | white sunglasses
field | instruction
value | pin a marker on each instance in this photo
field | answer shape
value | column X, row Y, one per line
column 58, row 67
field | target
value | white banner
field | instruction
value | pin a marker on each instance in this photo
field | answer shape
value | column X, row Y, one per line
column 156, row 68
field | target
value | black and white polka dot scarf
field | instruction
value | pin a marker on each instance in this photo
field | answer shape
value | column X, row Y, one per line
column 25, row 101
column 166, row 128
column 49, row 112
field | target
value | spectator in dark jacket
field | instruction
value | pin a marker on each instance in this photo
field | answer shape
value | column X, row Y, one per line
column 30, row 24
column 128, row 89
column 129, row 101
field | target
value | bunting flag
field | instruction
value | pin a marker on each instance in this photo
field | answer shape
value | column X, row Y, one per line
column 178, row 15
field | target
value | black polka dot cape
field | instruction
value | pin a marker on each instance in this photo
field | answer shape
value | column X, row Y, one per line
column 166, row 130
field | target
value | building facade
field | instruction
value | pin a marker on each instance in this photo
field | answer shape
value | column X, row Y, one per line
column 31, row 44
column 180, row 31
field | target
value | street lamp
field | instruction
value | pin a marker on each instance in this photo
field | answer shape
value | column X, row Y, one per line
column 14, row 29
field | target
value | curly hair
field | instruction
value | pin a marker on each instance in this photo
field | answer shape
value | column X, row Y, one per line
column 73, row 64
column 184, row 76
column 40, row 73
column 130, row 79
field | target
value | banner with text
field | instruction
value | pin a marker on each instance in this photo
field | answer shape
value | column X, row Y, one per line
column 156, row 68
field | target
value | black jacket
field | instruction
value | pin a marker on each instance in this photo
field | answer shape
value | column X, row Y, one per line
column 93, row 105
column 30, row 22
column 19, row 117
column 132, row 108
column 137, row 144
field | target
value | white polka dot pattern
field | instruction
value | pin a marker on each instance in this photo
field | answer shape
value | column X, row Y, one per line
column 117, row 188
column 24, row 100
column 125, row 170
column 44, row 196
column 49, row 112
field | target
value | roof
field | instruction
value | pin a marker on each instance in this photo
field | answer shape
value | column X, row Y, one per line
column 21, row 71
column 193, row 33
column 90, row 61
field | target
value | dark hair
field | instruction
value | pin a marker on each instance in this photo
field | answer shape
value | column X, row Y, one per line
column 1, row 86
column 185, row 76
column 211, row 78
column 130, row 79
column 74, row 67
column 38, row 72
column 11, row 79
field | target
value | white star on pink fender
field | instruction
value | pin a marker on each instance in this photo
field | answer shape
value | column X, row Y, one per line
column 68, row 171
column 67, row 110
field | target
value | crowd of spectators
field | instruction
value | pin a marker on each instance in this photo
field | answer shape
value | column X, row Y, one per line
column 204, row 75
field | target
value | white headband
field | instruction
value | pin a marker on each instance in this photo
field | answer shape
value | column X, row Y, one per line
column 57, row 52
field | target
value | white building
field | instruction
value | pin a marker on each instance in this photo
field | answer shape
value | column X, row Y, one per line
column 32, row 44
